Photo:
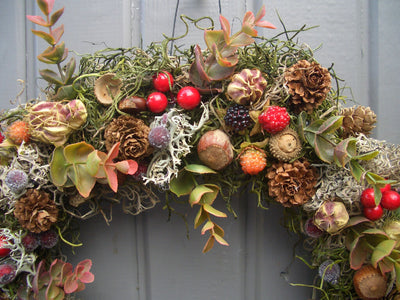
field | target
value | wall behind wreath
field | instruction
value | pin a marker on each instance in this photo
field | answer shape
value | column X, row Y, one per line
column 146, row 257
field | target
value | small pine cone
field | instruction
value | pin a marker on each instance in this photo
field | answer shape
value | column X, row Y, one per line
column 132, row 133
column 292, row 184
column 36, row 211
column 309, row 84
column 358, row 119
column 285, row 145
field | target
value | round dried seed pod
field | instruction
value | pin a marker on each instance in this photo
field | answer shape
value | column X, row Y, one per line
column 285, row 145
column 369, row 283
column 107, row 87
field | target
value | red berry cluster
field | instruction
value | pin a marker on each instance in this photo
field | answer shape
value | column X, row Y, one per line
column 390, row 200
column 188, row 97
column 274, row 119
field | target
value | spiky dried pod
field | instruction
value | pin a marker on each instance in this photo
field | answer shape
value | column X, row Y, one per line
column 331, row 216
column 369, row 283
column 358, row 119
column 247, row 86
column 285, row 145
column 309, row 84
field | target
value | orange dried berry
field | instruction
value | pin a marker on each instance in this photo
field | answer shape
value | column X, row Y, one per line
column 18, row 132
column 253, row 160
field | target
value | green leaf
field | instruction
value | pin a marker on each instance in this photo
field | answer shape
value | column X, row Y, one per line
column 200, row 217
column 93, row 164
column 57, row 33
column 56, row 15
column 353, row 221
column 209, row 244
column 213, row 211
column 301, row 125
column 381, row 251
column 69, row 70
column 385, row 265
column 46, row 6
column 356, row 170
column 373, row 178
column 81, row 178
column 330, row 125
column 359, row 252
column 213, row 37
column 345, row 151
column 209, row 198
column 218, row 230
column 54, row 55
column 199, row 169
column 51, row 76
column 58, row 167
column 182, row 185
column 397, row 270
column 78, row 152
column 197, row 193
column 226, row 28
column 44, row 35
column 208, row 226
column 377, row 195
column 322, row 146
column 38, row 20
column 65, row 92
column 220, row 240
column 367, row 156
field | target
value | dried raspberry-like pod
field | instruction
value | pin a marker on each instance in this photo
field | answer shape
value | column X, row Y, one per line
column 247, row 86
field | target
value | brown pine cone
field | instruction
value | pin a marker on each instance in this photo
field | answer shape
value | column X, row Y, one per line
column 309, row 84
column 358, row 119
column 36, row 211
column 291, row 183
column 132, row 133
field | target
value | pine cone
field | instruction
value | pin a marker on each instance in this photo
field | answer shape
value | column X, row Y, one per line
column 309, row 84
column 132, row 133
column 358, row 119
column 292, row 184
column 36, row 211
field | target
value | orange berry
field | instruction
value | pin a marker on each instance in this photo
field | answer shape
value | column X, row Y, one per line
column 18, row 132
column 253, row 160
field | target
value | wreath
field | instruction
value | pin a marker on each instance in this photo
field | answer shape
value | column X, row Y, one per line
column 248, row 113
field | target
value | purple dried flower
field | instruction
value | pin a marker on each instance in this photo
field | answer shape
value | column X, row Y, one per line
column 7, row 273
column 312, row 230
column 159, row 137
column 329, row 271
column 16, row 180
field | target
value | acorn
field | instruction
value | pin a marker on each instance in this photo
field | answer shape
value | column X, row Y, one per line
column 215, row 149
column 132, row 105
column 369, row 283
column 106, row 88
column 285, row 145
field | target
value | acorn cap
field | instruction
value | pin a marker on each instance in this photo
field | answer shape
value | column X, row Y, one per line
column 106, row 87
column 285, row 145
column 369, row 283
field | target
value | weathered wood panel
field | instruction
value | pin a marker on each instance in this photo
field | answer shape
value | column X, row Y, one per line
column 146, row 257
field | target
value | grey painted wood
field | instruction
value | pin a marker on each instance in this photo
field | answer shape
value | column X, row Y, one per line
column 146, row 257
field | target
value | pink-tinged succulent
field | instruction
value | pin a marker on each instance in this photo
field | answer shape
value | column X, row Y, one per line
column 53, row 122
column 80, row 165
column 331, row 216
column 221, row 61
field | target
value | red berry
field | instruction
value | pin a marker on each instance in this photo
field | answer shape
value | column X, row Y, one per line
column 188, row 97
column 373, row 213
column 157, row 102
column 163, row 81
column 1, row 137
column 274, row 119
column 7, row 273
column 387, row 187
column 4, row 250
column 368, row 198
column 390, row 200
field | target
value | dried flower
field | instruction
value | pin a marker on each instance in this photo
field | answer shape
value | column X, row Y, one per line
column 132, row 133
column 16, row 180
column 53, row 122
column 159, row 137
column 331, row 216
column 36, row 211
column 291, row 183
column 247, row 86
column 309, row 84
column 311, row 229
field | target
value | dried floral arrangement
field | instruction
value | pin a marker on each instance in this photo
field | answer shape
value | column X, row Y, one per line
column 247, row 113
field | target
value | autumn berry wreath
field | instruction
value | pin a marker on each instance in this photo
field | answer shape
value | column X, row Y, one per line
column 248, row 113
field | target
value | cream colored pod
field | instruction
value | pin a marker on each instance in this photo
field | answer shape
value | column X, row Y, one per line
column 53, row 122
column 331, row 217
column 392, row 229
